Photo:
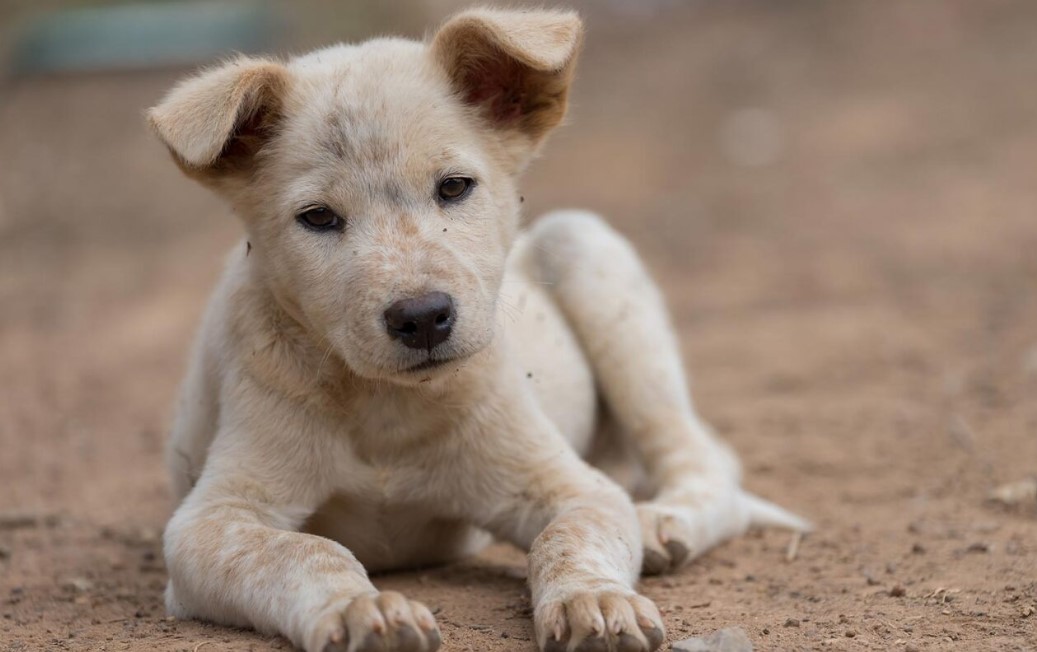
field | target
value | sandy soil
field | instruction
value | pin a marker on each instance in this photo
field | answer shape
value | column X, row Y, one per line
column 839, row 200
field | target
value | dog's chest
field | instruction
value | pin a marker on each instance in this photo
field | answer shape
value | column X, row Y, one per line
column 383, row 516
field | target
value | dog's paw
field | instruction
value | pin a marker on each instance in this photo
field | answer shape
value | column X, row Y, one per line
column 599, row 621
column 383, row 622
column 666, row 538
column 678, row 529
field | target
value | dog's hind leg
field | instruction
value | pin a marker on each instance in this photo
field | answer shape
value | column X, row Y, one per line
column 622, row 323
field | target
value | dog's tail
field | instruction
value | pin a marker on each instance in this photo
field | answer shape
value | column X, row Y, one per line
column 763, row 513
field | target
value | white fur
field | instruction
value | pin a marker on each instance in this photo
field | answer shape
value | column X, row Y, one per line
column 298, row 417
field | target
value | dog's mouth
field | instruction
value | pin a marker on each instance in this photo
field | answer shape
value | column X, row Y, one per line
column 431, row 363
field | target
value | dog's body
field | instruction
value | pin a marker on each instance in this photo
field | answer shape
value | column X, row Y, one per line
column 408, row 378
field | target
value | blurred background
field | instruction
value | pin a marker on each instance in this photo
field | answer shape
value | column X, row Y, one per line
column 837, row 197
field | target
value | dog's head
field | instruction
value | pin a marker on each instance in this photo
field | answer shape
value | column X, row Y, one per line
column 377, row 182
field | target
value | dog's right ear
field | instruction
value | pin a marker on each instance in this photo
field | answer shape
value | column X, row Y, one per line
column 215, row 122
column 514, row 67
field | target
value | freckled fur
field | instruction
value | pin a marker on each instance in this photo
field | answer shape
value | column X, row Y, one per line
column 298, row 417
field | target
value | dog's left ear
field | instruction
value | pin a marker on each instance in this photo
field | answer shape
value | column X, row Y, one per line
column 514, row 66
column 215, row 122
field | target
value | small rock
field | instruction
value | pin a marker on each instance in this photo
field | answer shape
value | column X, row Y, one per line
column 5, row 552
column 730, row 639
column 1027, row 611
column 851, row 634
column 791, row 622
column 898, row 591
column 911, row 648
column 979, row 546
column 1015, row 493
column 79, row 584
column 918, row 549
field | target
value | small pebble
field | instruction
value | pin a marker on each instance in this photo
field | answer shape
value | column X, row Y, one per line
column 898, row 591
column 79, row 584
column 791, row 622
column 1015, row 493
column 731, row 639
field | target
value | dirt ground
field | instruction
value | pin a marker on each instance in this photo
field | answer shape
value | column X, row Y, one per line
column 839, row 200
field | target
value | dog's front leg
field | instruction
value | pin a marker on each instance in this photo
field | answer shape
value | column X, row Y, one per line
column 580, row 528
column 233, row 558
column 580, row 572
column 234, row 555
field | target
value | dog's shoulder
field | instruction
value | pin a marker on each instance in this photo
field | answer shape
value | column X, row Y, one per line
column 248, row 334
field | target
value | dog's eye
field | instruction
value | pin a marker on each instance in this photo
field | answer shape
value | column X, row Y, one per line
column 320, row 218
column 455, row 188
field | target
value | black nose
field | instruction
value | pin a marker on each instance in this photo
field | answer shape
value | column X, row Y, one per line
column 422, row 322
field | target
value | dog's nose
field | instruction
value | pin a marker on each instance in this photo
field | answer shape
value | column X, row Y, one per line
column 422, row 322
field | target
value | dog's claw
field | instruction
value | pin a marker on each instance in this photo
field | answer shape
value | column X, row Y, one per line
column 433, row 640
column 375, row 623
column 655, row 636
column 408, row 639
column 599, row 621
column 678, row 552
column 654, row 563
column 628, row 643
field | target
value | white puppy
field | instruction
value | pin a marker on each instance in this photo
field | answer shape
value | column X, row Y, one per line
column 390, row 370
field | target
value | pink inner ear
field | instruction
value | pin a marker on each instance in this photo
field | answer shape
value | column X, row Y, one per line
column 498, row 86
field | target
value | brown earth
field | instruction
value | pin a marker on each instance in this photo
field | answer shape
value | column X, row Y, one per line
column 852, row 265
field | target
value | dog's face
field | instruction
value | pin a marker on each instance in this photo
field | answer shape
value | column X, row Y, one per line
column 378, row 182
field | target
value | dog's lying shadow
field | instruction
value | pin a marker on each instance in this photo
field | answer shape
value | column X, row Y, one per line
column 497, row 580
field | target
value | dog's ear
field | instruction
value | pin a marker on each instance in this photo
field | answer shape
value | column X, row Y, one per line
column 514, row 66
column 215, row 122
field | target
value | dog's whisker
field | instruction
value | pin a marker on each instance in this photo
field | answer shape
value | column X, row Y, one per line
column 324, row 359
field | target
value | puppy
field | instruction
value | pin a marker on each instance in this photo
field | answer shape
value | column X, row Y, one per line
column 391, row 371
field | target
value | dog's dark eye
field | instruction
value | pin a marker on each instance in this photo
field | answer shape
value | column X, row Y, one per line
column 320, row 218
column 454, row 188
